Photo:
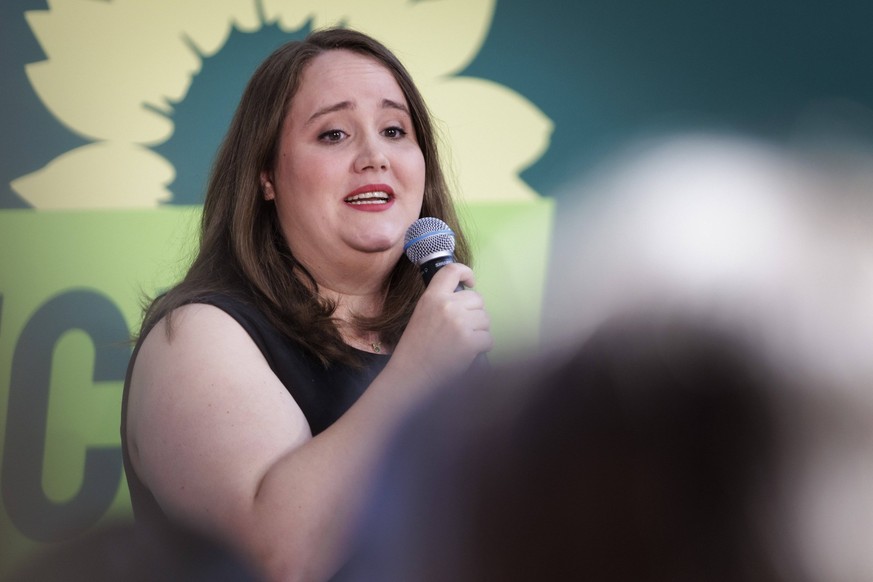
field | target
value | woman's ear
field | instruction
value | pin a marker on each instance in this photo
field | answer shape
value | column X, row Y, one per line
column 267, row 187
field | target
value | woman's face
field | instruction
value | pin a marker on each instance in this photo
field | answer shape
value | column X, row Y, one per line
column 349, row 178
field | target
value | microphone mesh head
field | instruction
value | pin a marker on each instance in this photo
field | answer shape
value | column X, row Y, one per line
column 427, row 237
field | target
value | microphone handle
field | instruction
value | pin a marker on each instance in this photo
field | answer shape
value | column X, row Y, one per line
column 428, row 270
column 430, row 267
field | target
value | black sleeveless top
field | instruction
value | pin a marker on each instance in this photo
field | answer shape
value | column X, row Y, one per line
column 323, row 394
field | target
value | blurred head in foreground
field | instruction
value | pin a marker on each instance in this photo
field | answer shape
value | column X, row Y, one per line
column 773, row 243
column 704, row 410
column 776, row 247
column 650, row 453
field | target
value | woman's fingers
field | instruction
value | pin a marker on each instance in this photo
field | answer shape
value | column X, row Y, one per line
column 450, row 275
column 448, row 328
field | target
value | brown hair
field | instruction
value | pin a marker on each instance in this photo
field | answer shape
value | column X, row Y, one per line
column 242, row 249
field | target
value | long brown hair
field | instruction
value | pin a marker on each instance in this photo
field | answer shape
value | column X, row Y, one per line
column 242, row 248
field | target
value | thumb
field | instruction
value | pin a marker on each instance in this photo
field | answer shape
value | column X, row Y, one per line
column 452, row 277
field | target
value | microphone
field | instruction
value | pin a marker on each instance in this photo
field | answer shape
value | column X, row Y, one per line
column 430, row 244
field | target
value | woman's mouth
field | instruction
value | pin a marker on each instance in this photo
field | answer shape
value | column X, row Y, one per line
column 377, row 197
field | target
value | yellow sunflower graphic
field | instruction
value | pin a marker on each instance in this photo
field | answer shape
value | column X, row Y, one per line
column 114, row 69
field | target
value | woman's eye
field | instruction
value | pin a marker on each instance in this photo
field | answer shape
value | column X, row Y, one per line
column 333, row 135
column 394, row 132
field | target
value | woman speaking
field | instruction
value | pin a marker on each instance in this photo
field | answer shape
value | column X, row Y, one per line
column 264, row 384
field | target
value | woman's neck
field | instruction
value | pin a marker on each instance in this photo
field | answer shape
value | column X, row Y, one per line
column 357, row 288
column 358, row 293
column 353, row 303
column 350, row 306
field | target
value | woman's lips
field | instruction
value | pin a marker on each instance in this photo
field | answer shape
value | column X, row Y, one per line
column 372, row 197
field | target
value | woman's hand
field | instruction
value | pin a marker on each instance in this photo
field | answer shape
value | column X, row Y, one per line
column 448, row 329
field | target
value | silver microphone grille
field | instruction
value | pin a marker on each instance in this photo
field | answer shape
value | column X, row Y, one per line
column 428, row 237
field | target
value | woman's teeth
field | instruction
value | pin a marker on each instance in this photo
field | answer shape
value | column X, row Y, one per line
column 368, row 198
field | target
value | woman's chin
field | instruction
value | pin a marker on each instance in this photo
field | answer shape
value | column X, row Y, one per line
column 376, row 243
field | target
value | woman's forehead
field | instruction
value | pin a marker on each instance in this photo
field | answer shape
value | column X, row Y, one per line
column 341, row 75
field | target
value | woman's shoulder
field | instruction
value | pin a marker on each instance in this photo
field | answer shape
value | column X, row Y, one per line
column 217, row 318
column 192, row 323
column 200, row 313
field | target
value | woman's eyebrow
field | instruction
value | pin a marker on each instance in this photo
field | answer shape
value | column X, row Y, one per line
column 330, row 109
column 343, row 105
column 389, row 104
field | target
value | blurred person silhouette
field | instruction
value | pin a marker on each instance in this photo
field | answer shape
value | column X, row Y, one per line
column 650, row 453
column 715, row 423
column 774, row 242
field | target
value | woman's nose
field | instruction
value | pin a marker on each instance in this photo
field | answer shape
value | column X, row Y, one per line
column 371, row 156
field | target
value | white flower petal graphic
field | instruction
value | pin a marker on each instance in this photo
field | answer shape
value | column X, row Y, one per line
column 112, row 64
column 432, row 38
column 99, row 175
column 293, row 15
column 493, row 135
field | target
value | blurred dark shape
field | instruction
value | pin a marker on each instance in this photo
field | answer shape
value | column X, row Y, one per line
column 714, row 421
column 122, row 551
column 650, row 453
